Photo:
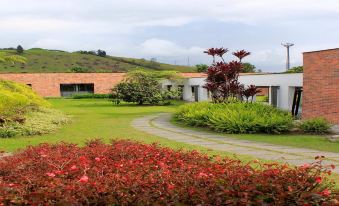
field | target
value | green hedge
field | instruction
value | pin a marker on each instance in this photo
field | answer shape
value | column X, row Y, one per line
column 235, row 117
column 92, row 96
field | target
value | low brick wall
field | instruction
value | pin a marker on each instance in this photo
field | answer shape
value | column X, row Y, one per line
column 321, row 85
column 48, row 84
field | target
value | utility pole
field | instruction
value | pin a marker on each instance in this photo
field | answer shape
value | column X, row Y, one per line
column 188, row 61
column 287, row 45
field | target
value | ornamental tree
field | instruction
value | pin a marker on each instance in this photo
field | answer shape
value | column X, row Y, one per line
column 222, row 77
column 143, row 87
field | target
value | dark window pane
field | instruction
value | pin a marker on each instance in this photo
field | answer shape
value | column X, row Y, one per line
column 67, row 90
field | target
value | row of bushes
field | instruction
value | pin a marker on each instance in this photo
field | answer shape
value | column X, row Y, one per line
column 42, row 121
column 236, row 117
column 246, row 118
column 129, row 173
column 92, row 96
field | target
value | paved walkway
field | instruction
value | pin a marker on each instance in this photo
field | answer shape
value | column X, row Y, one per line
column 160, row 125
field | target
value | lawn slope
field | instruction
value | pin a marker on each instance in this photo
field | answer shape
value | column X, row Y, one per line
column 42, row 60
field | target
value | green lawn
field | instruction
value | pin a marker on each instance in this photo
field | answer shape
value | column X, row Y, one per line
column 99, row 118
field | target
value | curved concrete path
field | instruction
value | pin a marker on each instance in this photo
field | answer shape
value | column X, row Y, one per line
column 160, row 125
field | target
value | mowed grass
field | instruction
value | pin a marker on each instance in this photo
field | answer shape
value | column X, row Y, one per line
column 43, row 60
column 99, row 118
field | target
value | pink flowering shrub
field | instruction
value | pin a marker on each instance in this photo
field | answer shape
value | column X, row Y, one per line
column 130, row 173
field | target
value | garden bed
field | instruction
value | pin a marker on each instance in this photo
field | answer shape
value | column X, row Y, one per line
column 236, row 117
column 130, row 173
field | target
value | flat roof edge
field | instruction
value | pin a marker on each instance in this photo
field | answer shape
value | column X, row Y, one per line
column 321, row 50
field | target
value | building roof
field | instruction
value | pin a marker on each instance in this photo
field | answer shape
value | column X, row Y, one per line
column 321, row 50
column 193, row 75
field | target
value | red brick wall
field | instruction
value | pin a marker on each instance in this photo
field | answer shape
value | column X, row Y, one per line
column 48, row 84
column 321, row 85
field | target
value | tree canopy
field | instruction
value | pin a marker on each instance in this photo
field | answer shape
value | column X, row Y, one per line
column 201, row 67
column 248, row 68
column 142, row 87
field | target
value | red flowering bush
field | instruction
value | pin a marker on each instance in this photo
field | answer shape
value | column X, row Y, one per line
column 222, row 77
column 129, row 173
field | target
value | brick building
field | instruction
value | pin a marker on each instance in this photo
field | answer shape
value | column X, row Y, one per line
column 64, row 84
column 321, row 85
column 58, row 84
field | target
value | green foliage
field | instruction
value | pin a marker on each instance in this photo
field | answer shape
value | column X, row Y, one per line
column 235, row 117
column 16, row 99
column 92, row 96
column 79, row 70
column 43, row 60
column 142, row 87
column 171, row 94
column 248, row 68
column 23, row 112
column 201, row 67
column 315, row 126
column 147, row 91
column 298, row 69
column 39, row 122
column 261, row 98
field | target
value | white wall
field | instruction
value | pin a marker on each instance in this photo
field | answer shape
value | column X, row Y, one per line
column 285, row 82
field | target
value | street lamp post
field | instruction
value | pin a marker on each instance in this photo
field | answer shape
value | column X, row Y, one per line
column 287, row 45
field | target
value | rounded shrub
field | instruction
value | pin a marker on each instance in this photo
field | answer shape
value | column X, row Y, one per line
column 235, row 117
column 23, row 112
column 16, row 99
column 316, row 126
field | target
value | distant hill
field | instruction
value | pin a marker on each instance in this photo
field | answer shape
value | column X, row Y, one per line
column 49, row 61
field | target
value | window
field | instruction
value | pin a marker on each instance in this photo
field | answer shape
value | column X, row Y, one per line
column 169, row 87
column 67, row 90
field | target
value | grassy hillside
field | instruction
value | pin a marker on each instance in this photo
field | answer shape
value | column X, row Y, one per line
column 42, row 60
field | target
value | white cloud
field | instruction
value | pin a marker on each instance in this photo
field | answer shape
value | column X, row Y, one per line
column 160, row 47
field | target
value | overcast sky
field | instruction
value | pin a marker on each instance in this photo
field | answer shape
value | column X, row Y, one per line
column 174, row 30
